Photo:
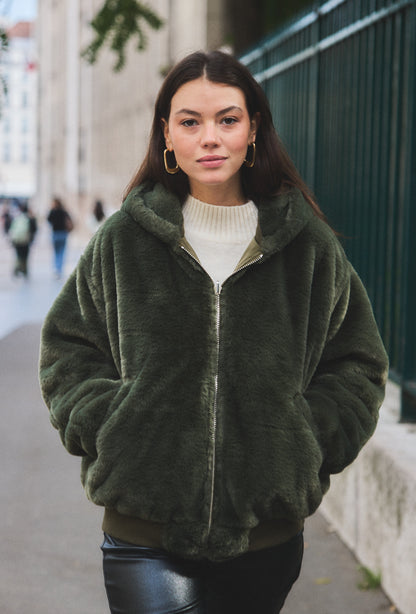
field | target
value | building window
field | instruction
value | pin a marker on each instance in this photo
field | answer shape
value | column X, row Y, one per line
column 6, row 152
column 24, row 153
column 6, row 125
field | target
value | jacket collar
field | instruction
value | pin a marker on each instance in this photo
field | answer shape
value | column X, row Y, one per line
column 158, row 211
column 281, row 219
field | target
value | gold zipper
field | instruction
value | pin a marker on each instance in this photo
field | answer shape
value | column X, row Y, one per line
column 217, row 289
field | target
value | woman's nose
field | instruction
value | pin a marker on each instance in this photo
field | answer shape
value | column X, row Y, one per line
column 209, row 136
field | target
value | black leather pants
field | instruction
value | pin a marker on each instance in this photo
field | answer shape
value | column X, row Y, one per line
column 141, row 580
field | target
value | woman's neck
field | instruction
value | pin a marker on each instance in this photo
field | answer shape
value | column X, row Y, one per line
column 226, row 196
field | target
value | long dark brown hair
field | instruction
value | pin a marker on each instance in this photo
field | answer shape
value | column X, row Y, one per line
column 273, row 170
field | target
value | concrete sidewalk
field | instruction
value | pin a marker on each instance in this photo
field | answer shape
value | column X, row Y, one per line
column 50, row 533
column 21, row 300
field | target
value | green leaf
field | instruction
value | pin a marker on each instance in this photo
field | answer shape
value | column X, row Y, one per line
column 115, row 24
column 4, row 44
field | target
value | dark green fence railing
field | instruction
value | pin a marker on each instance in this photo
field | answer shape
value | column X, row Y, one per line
column 341, row 81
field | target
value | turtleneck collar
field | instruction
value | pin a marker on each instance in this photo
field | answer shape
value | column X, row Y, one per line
column 228, row 224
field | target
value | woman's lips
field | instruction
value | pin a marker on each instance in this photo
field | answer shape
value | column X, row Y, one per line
column 211, row 161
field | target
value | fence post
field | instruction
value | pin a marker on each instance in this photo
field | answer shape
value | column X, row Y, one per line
column 313, row 101
column 408, row 329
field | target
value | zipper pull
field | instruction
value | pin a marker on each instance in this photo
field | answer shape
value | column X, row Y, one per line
column 217, row 287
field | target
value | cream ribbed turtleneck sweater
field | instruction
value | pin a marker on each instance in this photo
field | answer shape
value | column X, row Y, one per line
column 219, row 235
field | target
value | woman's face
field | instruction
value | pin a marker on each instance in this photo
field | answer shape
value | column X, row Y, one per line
column 209, row 129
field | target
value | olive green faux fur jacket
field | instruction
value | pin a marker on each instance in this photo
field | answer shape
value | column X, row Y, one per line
column 212, row 410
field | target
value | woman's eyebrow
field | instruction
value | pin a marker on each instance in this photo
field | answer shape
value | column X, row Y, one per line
column 197, row 114
column 188, row 112
column 230, row 109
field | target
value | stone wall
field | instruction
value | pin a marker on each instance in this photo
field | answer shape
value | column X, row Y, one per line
column 372, row 505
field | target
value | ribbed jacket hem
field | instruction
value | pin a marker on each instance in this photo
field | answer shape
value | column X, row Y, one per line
column 149, row 534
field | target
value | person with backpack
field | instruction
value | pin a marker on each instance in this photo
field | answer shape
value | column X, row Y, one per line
column 22, row 232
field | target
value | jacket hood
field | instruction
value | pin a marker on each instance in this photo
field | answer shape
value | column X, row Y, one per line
column 281, row 218
column 157, row 210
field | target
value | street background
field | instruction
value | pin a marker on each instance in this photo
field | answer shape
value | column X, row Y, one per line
column 340, row 76
column 50, row 533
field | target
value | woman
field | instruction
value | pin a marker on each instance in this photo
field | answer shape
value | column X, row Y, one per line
column 61, row 224
column 213, row 359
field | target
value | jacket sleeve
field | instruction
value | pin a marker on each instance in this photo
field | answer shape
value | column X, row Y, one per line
column 79, row 378
column 347, row 388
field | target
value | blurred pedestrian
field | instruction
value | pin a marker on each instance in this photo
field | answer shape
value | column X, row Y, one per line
column 22, row 232
column 97, row 217
column 6, row 217
column 213, row 358
column 61, row 224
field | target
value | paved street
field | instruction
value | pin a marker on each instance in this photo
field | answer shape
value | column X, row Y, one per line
column 50, row 534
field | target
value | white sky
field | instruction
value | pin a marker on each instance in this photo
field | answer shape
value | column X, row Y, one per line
column 18, row 10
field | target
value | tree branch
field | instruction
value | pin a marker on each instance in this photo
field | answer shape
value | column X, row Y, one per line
column 116, row 22
column 4, row 42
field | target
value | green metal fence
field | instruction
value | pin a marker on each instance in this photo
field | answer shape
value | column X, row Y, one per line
column 341, row 81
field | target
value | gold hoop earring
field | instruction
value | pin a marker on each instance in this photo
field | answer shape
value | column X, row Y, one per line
column 250, row 163
column 172, row 170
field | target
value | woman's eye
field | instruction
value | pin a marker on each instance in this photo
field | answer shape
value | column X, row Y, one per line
column 188, row 123
column 228, row 121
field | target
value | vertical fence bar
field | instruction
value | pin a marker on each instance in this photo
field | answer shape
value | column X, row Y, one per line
column 408, row 166
column 396, row 206
column 392, row 247
column 312, row 111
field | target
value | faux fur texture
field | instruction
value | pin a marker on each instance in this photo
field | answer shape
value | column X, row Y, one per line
column 129, row 358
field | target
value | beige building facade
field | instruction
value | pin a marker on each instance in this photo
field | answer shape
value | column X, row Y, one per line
column 94, row 123
column 18, row 113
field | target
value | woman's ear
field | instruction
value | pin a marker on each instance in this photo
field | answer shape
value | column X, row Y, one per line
column 166, row 134
column 254, row 123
